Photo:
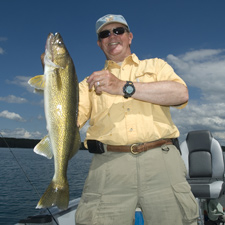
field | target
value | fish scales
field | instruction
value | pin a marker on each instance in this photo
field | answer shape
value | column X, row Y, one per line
column 61, row 98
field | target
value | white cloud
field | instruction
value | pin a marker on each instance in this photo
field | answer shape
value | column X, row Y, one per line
column 202, row 54
column 1, row 51
column 205, row 70
column 21, row 81
column 13, row 99
column 21, row 133
column 3, row 38
column 201, row 117
column 11, row 115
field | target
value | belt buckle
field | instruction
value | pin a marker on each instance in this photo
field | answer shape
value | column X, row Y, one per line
column 131, row 149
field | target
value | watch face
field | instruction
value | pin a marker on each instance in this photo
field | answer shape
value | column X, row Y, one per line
column 129, row 89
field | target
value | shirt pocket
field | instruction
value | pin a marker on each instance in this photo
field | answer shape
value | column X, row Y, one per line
column 146, row 76
column 186, row 201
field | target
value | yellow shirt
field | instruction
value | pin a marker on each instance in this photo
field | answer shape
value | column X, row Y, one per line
column 115, row 120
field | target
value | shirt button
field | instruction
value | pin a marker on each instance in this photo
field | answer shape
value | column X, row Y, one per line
column 128, row 109
column 131, row 129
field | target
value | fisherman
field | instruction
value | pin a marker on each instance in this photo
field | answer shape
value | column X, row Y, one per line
column 131, row 134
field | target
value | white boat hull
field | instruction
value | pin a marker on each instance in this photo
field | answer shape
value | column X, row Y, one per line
column 59, row 217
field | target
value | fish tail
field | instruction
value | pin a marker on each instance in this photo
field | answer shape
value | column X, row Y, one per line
column 55, row 194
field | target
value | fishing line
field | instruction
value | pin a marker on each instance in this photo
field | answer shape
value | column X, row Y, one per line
column 25, row 174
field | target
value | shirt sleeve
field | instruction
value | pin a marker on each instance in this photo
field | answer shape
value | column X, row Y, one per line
column 166, row 72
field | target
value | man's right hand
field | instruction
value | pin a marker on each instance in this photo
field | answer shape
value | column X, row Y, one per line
column 42, row 60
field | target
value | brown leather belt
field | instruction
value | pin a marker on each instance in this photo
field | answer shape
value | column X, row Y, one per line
column 138, row 148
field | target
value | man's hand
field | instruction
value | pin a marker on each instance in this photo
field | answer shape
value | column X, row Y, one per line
column 107, row 82
column 42, row 60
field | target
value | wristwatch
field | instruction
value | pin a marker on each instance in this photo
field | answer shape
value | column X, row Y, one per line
column 128, row 89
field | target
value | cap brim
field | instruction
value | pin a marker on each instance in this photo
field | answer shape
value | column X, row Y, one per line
column 99, row 29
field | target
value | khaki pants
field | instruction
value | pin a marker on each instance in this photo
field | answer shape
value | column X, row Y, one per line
column 155, row 181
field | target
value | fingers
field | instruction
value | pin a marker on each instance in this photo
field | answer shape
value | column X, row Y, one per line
column 96, row 79
column 42, row 60
column 97, row 83
column 105, row 81
column 98, row 87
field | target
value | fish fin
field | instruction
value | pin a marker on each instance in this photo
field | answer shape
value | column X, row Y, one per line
column 44, row 147
column 76, row 146
column 55, row 194
column 38, row 82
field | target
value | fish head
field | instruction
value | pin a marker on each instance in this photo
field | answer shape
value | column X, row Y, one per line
column 55, row 51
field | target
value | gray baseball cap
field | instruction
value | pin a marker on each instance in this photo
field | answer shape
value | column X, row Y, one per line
column 110, row 18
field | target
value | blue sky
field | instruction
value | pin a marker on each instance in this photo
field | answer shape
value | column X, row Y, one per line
column 188, row 34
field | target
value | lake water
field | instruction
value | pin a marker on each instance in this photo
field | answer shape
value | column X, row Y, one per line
column 18, row 198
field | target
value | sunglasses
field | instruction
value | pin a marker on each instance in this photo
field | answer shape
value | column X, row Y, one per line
column 117, row 31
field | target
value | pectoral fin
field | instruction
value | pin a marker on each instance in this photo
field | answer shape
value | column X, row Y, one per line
column 44, row 147
column 38, row 82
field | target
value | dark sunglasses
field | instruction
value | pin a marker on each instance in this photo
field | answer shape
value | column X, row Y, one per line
column 117, row 31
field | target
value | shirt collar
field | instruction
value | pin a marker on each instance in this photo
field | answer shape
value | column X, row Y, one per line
column 129, row 59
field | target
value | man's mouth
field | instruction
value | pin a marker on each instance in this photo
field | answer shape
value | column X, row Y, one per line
column 114, row 43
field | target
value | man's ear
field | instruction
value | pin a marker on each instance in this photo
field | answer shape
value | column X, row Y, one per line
column 99, row 43
column 130, row 38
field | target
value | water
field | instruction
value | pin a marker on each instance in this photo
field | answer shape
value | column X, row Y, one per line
column 18, row 198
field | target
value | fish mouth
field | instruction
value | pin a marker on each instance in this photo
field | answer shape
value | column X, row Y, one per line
column 52, row 39
column 49, row 42
column 49, row 54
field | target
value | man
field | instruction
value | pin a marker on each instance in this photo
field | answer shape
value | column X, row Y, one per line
column 131, row 132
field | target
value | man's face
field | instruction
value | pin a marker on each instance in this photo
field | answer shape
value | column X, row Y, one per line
column 116, row 47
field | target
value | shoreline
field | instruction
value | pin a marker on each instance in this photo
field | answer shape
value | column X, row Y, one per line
column 23, row 143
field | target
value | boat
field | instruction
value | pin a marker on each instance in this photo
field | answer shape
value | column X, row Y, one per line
column 54, row 216
column 204, row 160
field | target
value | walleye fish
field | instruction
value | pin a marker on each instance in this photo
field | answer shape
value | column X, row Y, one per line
column 61, row 96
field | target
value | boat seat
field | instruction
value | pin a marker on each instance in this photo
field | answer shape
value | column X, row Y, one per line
column 203, row 157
